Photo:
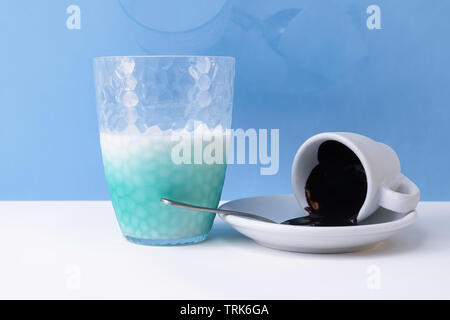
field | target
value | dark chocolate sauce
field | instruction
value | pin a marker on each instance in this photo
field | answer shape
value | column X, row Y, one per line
column 336, row 188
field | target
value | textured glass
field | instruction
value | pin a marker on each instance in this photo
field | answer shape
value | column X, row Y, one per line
column 143, row 103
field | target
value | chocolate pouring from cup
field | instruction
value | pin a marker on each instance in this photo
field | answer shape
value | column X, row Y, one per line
column 387, row 187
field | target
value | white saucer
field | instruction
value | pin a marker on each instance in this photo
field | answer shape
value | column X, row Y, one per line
column 378, row 227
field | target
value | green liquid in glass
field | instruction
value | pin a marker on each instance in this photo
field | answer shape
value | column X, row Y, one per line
column 140, row 171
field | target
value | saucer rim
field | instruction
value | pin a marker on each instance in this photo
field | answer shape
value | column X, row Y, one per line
column 345, row 231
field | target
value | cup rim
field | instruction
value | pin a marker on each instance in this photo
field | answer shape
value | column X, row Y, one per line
column 162, row 57
column 339, row 137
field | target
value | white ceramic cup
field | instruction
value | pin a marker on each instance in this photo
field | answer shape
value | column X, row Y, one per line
column 387, row 187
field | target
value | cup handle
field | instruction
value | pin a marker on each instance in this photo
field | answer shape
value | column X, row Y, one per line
column 403, row 201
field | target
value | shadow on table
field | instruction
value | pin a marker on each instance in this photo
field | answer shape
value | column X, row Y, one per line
column 222, row 232
column 431, row 235
column 402, row 244
column 397, row 245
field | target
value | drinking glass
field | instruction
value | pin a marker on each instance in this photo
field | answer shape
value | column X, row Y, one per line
column 163, row 124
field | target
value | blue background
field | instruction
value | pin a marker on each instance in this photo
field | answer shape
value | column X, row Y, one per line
column 302, row 66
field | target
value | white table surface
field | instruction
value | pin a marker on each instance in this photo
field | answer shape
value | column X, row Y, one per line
column 74, row 250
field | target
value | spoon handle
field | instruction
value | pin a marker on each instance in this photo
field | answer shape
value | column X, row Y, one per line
column 219, row 211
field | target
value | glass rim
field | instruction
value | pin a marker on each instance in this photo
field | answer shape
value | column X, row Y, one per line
column 162, row 57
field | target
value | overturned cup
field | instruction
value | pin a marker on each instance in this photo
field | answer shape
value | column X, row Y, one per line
column 386, row 186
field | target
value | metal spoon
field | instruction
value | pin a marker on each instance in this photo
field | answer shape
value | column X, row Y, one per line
column 309, row 220
column 220, row 211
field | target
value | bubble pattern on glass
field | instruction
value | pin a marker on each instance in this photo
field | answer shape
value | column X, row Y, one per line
column 171, row 92
column 139, row 93
column 142, row 173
